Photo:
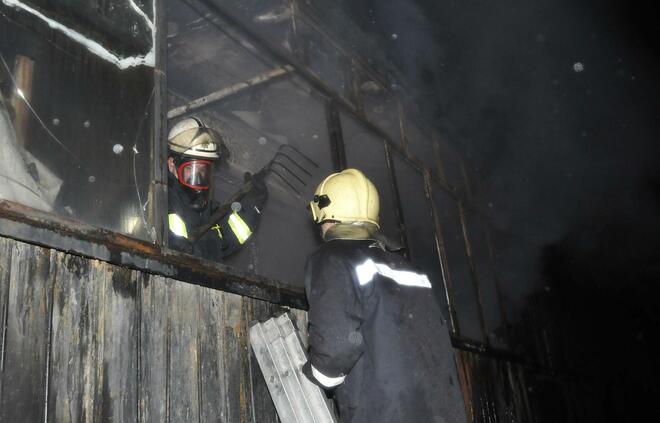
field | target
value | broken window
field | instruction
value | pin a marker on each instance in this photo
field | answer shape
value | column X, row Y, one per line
column 366, row 152
column 263, row 112
column 487, row 284
column 285, row 120
column 418, row 222
column 420, row 145
column 323, row 58
column 76, row 109
column 457, row 266
column 451, row 165
column 381, row 107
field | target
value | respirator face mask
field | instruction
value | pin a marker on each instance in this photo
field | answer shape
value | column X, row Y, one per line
column 196, row 176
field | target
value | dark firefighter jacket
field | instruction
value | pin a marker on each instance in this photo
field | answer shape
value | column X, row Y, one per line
column 225, row 237
column 377, row 334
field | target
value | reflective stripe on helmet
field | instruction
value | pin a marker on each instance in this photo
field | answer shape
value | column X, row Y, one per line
column 177, row 225
column 239, row 227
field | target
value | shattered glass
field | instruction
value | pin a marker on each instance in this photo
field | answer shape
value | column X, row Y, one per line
column 75, row 117
column 123, row 27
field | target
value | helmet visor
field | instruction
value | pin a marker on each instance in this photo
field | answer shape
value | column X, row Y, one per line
column 196, row 174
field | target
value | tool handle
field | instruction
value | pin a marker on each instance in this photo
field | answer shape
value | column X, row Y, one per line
column 221, row 211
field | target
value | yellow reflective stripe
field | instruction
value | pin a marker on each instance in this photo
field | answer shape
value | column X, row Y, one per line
column 239, row 227
column 177, row 225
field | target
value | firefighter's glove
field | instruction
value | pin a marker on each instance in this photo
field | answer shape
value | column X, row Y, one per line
column 259, row 193
column 257, row 180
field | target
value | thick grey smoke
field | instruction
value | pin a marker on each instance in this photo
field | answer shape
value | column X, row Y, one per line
column 552, row 103
column 555, row 105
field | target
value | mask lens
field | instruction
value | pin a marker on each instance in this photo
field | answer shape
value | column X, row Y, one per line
column 196, row 174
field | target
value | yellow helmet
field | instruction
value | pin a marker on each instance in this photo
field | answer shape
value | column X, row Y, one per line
column 347, row 196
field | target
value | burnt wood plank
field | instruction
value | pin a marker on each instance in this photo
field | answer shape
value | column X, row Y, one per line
column 44, row 228
column 211, row 346
column 154, row 354
column 5, row 272
column 25, row 347
column 245, row 362
column 119, row 353
column 77, row 373
column 233, row 330
column 183, row 314
column 128, row 346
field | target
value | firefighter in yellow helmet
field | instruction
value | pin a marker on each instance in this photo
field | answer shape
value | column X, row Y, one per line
column 193, row 151
column 376, row 334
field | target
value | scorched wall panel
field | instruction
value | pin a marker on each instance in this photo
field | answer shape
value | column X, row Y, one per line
column 84, row 340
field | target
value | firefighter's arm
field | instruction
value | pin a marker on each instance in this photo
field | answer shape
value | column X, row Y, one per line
column 335, row 340
column 178, row 234
column 238, row 226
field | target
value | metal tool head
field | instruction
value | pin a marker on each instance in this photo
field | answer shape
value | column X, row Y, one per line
column 292, row 167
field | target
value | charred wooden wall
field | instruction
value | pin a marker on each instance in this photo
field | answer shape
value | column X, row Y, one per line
column 84, row 340
column 498, row 390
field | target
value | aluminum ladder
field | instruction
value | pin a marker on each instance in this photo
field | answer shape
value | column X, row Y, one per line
column 280, row 354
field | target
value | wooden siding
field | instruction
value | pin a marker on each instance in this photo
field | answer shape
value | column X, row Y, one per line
column 84, row 340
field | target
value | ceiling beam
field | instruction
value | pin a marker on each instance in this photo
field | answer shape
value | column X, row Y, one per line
column 229, row 91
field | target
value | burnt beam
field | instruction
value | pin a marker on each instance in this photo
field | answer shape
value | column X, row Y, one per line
column 229, row 91
column 234, row 28
column 52, row 231
column 336, row 136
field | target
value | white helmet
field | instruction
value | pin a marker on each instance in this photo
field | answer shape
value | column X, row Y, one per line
column 190, row 137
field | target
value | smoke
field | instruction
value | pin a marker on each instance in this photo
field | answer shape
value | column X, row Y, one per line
column 554, row 103
column 553, row 108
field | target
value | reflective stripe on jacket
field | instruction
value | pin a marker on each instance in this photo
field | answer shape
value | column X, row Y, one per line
column 224, row 237
column 378, row 335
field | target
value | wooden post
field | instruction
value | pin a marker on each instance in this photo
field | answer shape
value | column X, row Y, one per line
column 157, row 211
column 23, row 74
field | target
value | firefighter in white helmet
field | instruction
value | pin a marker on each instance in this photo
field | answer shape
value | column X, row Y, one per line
column 193, row 150
column 376, row 334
